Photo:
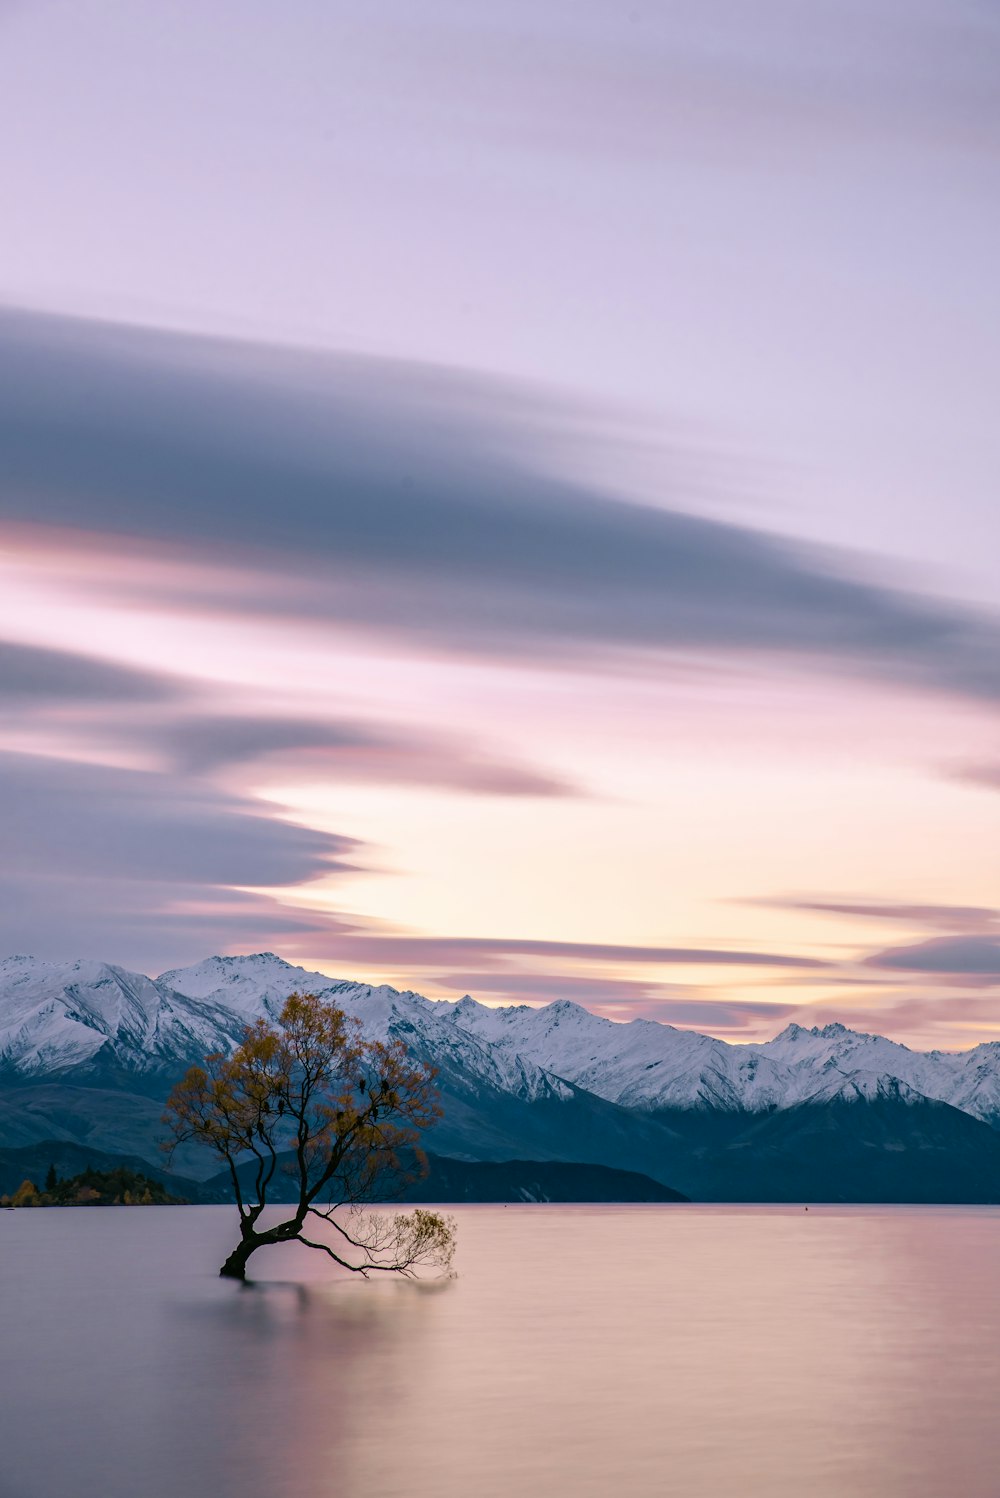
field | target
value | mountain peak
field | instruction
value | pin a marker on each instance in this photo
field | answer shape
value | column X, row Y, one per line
column 246, row 959
column 792, row 1031
column 832, row 1031
column 562, row 1008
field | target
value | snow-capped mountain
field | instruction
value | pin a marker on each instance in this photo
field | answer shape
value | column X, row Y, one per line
column 61, row 1018
column 642, row 1064
column 655, row 1067
column 56, row 1017
column 249, row 986
column 967, row 1080
column 67, row 1018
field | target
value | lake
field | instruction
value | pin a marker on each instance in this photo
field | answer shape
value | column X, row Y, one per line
column 595, row 1350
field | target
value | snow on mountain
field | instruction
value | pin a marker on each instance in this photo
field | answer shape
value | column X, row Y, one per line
column 252, row 986
column 968, row 1080
column 652, row 1066
column 642, row 1064
column 249, row 986
column 55, row 1017
column 863, row 1086
column 977, row 1083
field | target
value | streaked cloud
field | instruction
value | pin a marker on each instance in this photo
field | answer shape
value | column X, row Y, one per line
column 143, row 924
column 61, row 818
column 967, row 956
column 135, row 867
column 430, row 951
column 215, row 743
column 417, row 504
column 344, row 750
column 914, row 913
column 32, row 675
column 985, row 774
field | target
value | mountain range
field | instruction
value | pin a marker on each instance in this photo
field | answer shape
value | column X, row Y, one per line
column 88, row 1051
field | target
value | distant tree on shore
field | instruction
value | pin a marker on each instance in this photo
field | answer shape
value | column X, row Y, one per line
column 120, row 1187
column 311, row 1099
column 26, row 1195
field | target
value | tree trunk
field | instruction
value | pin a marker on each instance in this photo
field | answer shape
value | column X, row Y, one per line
column 235, row 1267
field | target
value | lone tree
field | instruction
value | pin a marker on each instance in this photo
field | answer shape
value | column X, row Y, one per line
column 310, row 1101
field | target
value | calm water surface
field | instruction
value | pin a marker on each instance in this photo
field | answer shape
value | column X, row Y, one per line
column 696, row 1351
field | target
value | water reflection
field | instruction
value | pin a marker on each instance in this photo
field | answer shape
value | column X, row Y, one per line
column 582, row 1351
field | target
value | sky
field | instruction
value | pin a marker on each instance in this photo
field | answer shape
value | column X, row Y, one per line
column 504, row 499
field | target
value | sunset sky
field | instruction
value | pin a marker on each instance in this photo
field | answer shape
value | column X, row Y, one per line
column 503, row 499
